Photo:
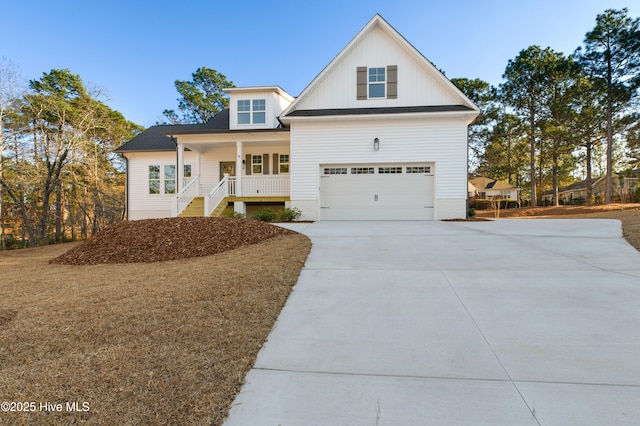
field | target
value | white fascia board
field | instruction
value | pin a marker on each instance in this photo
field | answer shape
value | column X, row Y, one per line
column 213, row 138
column 279, row 90
column 469, row 116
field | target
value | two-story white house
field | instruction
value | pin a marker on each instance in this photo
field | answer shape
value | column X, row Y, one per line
column 379, row 134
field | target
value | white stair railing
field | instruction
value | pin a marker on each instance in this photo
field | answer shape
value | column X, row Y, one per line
column 232, row 186
column 215, row 197
column 183, row 198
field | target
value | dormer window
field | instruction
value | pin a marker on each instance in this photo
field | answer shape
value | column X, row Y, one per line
column 252, row 111
column 259, row 109
column 244, row 111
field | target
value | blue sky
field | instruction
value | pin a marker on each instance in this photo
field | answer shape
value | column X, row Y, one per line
column 134, row 50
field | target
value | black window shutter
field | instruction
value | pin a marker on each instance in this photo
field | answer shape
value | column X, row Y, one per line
column 249, row 165
column 276, row 164
column 265, row 164
column 362, row 83
column 392, row 82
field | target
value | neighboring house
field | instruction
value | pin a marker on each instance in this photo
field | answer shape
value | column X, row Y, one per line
column 379, row 134
column 577, row 192
column 624, row 188
column 490, row 189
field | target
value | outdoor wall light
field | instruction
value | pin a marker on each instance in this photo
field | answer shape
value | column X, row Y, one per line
column 376, row 144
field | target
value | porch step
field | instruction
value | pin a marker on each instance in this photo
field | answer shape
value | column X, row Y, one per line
column 195, row 209
column 220, row 209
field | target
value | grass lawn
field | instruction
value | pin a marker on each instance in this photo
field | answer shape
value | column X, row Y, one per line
column 144, row 343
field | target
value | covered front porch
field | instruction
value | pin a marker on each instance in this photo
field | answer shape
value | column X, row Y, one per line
column 225, row 168
column 230, row 190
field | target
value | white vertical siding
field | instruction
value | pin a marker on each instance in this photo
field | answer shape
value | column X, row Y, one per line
column 417, row 83
column 440, row 141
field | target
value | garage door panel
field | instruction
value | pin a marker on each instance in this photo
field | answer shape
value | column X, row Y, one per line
column 392, row 196
column 376, row 214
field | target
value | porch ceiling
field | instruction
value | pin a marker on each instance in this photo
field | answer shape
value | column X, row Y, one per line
column 203, row 143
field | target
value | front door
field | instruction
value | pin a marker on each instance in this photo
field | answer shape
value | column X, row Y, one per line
column 227, row 167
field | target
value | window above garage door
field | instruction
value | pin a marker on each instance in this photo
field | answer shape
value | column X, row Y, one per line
column 378, row 169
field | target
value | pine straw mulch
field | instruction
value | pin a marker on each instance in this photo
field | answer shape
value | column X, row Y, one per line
column 155, row 240
column 162, row 343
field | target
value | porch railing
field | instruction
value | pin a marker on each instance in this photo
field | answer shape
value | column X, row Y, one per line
column 255, row 186
column 183, row 198
column 215, row 197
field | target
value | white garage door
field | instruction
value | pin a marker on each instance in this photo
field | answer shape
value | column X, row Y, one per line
column 376, row 192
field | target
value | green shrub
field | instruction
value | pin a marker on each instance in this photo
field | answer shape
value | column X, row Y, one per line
column 265, row 215
column 12, row 243
column 232, row 214
column 287, row 214
column 484, row 204
column 480, row 204
column 471, row 212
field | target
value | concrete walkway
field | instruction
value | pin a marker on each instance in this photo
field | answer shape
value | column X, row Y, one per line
column 509, row 322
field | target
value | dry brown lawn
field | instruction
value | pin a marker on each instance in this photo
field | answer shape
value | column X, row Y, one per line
column 164, row 343
column 158, row 343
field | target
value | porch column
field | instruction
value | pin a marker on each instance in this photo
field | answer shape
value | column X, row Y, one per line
column 239, row 158
column 180, row 168
column 238, row 206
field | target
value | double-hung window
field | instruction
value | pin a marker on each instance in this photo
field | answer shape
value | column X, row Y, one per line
column 163, row 179
column 252, row 111
column 256, row 164
column 284, row 163
column 169, row 179
column 377, row 80
column 154, row 179
column 259, row 111
column 244, row 111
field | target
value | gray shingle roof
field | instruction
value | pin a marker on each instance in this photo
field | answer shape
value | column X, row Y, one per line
column 151, row 139
column 155, row 137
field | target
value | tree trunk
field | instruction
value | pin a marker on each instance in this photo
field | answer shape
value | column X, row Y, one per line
column 588, row 181
column 509, row 172
column 532, row 156
column 608, row 178
column 59, row 212
column 554, row 172
column 2, row 212
column 53, row 176
column 26, row 221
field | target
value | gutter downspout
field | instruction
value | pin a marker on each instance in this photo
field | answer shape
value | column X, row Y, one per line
column 125, row 213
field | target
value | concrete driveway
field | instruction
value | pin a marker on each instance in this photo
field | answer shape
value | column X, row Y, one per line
column 509, row 322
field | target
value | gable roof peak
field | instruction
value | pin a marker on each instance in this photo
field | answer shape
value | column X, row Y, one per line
column 377, row 21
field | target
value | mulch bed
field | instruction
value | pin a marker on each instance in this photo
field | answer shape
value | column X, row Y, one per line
column 155, row 240
column 469, row 219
